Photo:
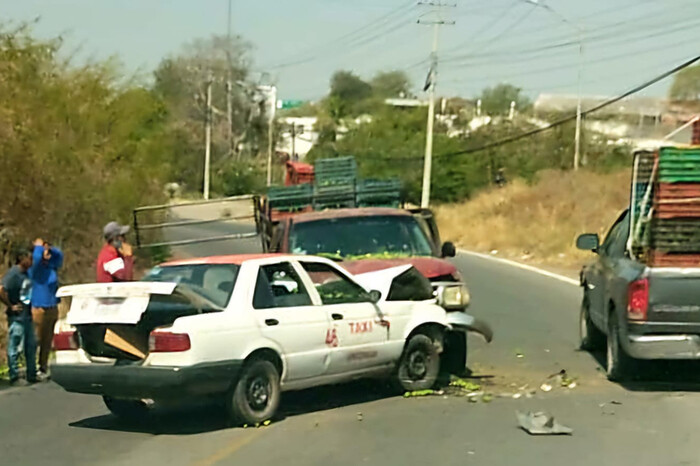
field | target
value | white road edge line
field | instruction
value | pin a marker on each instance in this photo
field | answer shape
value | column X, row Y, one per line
column 529, row 268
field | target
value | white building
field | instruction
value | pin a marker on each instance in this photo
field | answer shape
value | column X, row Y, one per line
column 298, row 135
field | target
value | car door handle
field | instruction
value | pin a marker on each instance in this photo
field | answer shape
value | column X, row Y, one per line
column 337, row 316
column 271, row 322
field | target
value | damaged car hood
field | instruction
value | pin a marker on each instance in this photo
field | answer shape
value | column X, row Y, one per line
column 430, row 267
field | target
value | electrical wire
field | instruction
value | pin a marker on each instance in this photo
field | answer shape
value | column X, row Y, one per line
column 561, row 121
column 347, row 39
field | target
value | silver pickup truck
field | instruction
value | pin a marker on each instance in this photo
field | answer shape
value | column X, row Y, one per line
column 638, row 312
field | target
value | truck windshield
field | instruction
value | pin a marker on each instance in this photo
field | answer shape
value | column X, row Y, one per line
column 213, row 282
column 389, row 235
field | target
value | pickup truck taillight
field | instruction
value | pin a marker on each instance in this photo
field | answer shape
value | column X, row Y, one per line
column 638, row 299
column 65, row 341
column 167, row 342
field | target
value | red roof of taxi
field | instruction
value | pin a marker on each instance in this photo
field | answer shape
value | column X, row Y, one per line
column 236, row 259
column 344, row 213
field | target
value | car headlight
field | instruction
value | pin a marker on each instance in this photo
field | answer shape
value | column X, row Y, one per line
column 453, row 296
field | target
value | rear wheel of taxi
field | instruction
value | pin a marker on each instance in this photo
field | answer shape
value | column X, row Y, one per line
column 419, row 365
column 256, row 395
column 126, row 409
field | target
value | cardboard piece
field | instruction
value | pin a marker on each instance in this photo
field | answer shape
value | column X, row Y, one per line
column 125, row 341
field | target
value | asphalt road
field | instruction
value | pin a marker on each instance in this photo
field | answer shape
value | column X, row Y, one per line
column 533, row 316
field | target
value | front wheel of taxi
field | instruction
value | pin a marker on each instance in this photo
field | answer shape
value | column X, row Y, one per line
column 419, row 365
column 256, row 395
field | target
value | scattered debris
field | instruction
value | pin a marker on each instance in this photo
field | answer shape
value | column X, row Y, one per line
column 517, row 396
column 266, row 423
column 471, row 452
column 541, row 424
column 487, row 398
column 494, row 252
column 464, row 384
column 545, row 387
column 519, row 354
column 418, row 393
column 608, row 409
column 245, row 426
column 360, row 417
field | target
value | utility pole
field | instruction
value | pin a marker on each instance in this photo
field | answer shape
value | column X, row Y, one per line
column 273, row 106
column 580, row 31
column 229, row 105
column 294, row 141
column 577, row 137
column 207, row 142
column 430, row 87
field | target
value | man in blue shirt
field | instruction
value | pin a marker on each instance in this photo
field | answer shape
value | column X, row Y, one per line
column 15, row 294
column 46, row 260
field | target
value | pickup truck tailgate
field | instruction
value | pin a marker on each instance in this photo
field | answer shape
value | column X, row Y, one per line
column 674, row 297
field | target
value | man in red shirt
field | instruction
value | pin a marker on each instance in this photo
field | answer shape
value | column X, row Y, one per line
column 115, row 262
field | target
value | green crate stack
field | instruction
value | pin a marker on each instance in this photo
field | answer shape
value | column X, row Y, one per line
column 679, row 165
column 290, row 198
column 673, row 236
column 379, row 193
column 334, row 183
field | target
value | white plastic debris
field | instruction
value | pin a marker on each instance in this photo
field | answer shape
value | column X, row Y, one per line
column 541, row 424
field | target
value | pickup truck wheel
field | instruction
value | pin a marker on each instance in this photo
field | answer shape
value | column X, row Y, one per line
column 619, row 363
column 126, row 409
column 419, row 365
column 256, row 396
column 454, row 358
column 590, row 338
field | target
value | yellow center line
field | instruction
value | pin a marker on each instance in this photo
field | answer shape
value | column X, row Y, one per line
column 229, row 449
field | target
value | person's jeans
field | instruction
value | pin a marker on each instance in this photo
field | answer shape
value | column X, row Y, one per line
column 21, row 333
column 44, row 319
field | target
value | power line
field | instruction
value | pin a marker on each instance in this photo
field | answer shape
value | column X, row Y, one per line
column 559, row 67
column 561, row 121
column 612, row 40
column 345, row 40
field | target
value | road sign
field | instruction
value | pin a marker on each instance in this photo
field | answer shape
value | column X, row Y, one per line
column 285, row 104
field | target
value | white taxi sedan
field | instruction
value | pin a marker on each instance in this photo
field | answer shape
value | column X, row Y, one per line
column 247, row 327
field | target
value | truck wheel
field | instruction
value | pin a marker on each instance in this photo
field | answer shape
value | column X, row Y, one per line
column 256, row 396
column 126, row 409
column 619, row 364
column 590, row 338
column 419, row 365
column 454, row 358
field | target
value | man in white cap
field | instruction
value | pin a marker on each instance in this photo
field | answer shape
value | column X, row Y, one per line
column 116, row 261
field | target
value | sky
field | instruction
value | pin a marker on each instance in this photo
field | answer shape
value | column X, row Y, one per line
column 301, row 43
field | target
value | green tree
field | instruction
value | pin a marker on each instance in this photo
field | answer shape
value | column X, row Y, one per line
column 496, row 100
column 390, row 84
column 686, row 84
column 181, row 82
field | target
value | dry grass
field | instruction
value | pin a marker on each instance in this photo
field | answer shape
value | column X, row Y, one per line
column 538, row 223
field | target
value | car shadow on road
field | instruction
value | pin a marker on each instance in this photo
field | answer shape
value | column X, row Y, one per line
column 659, row 376
column 210, row 417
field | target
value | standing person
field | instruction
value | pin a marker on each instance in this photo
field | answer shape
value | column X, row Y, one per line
column 15, row 294
column 115, row 262
column 46, row 260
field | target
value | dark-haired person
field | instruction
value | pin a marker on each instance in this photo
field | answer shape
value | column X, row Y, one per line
column 15, row 293
column 46, row 260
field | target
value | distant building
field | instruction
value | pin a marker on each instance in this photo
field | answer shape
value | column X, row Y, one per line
column 652, row 108
column 298, row 136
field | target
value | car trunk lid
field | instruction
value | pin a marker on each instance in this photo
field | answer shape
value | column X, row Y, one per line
column 114, row 320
